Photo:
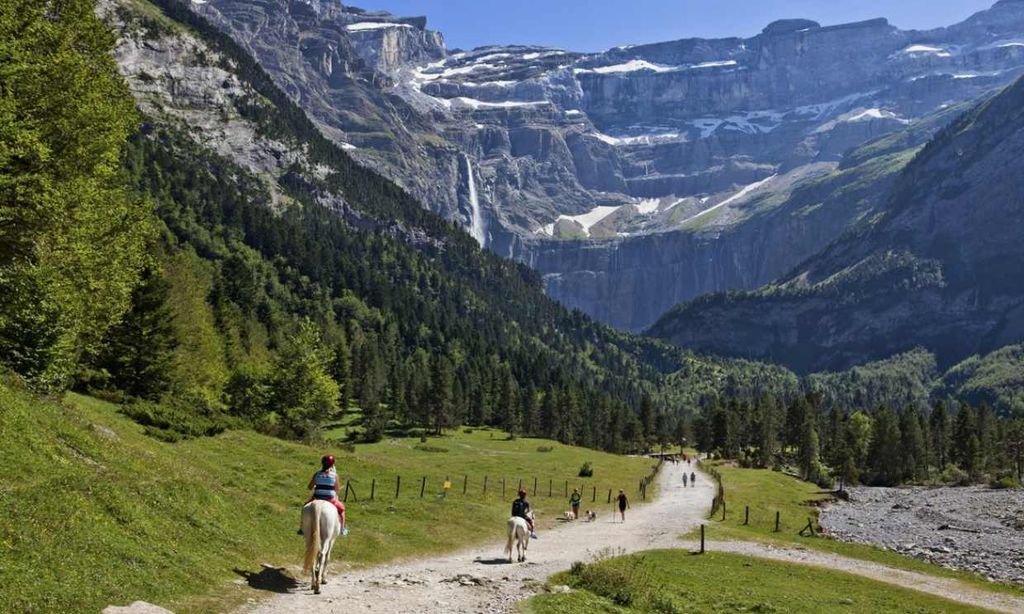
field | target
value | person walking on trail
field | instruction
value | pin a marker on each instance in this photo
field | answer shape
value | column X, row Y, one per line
column 684, row 479
column 623, row 504
column 521, row 509
column 693, row 479
column 574, row 503
column 325, row 486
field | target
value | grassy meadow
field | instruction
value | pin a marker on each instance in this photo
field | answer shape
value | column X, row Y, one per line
column 93, row 512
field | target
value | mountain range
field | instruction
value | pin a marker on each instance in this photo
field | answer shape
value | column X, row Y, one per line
column 642, row 176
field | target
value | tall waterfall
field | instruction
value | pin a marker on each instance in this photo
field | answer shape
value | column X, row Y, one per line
column 477, row 228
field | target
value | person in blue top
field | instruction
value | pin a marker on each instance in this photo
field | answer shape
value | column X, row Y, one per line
column 325, row 486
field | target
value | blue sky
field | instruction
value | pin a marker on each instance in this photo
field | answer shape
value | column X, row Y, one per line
column 594, row 25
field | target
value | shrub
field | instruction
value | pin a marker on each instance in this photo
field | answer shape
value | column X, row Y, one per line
column 545, row 448
column 428, row 448
column 624, row 581
column 587, row 470
column 1004, row 479
column 954, row 475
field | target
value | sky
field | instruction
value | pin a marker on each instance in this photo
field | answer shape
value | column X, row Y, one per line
column 596, row 25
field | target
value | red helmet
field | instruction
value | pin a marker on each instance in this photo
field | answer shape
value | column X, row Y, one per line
column 522, row 492
column 327, row 461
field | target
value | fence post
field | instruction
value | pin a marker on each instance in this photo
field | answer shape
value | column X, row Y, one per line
column 502, row 488
column 345, row 498
column 702, row 538
column 520, row 486
column 609, row 495
column 746, row 514
column 534, row 487
column 485, row 484
column 776, row 521
column 423, row 486
column 567, row 488
column 550, row 482
column 723, row 509
column 373, row 488
column 593, row 497
column 465, row 483
column 398, row 485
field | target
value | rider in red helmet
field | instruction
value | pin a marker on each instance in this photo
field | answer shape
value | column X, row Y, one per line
column 521, row 509
column 325, row 486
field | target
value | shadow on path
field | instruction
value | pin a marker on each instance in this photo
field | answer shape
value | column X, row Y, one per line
column 492, row 562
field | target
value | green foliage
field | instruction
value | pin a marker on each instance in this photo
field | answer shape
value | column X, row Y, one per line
column 72, row 239
column 586, row 470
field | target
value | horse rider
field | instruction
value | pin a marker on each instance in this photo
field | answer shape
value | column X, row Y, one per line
column 325, row 486
column 521, row 509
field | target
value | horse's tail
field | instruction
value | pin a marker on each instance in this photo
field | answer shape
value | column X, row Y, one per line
column 511, row 536
column 313, row 544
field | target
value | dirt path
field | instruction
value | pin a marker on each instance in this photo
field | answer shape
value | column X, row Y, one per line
column 480, row 579
column 488, row 583
column 934, row 585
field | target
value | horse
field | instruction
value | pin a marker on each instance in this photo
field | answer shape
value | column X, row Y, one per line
column 519, row 532
column 320, row 525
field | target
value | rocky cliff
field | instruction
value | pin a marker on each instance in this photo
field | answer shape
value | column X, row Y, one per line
column 595, row 167
column 940, row 268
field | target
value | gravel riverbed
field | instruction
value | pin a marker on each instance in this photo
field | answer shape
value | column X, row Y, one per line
column 972, row 529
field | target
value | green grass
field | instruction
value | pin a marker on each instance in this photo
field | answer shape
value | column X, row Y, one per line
column 93, row 512
column 670, row 581
column 766, row 492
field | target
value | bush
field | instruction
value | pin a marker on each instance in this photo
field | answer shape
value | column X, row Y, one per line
column 955, row 476
column 1003, row 480
column 428, row 448
column 545, row 448
column 587, row 470
column 625, row 581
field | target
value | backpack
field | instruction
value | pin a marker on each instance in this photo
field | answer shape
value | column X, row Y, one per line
column 519, row 507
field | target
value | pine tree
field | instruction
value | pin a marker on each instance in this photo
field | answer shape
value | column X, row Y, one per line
column 966, row 447
column 304, row 390
column 941, row 433
column 809, row 453
column 441, row 394
column 912, row 446
column 885, row 449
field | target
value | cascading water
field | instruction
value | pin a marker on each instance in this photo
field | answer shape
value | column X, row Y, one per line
column 477, row 229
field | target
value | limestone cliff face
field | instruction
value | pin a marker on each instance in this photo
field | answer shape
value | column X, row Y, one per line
column 940, row 269
column 581, row 162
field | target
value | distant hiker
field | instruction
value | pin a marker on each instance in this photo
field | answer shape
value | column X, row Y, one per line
column 521, row 509
column 325, row 485
column 684, row 479
column 574, row 503
column 693, row 479
column 623, row 504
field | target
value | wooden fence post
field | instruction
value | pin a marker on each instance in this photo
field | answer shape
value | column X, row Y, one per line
column 534, row 487
column 398, row 485
column 550, row 482
column 702, row 539
column 609, row 495
column 593, row 497
column 485, row 484
column 345, row 498
column 502, row 488
column 776, row 522
column 567, row 488
column 465, row 483
column 723, row 509
column 520, row 486
column 373, row 488
column 423, row 486
column 746, row 514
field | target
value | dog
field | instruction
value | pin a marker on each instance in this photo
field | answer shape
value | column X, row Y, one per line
column 569, row 516
column 591, row 515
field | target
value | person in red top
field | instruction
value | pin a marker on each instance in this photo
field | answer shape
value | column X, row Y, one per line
column 325, row 486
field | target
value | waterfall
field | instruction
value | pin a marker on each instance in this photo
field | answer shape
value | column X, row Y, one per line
column 477, row 228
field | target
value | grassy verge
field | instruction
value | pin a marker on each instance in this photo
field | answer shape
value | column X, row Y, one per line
column 670, row 581
column 767, row 492
column 93, row 512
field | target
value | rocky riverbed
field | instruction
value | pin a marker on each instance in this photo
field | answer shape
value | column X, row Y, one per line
column 973, row 529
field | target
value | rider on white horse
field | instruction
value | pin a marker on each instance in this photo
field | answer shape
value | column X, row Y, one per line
column 325, row 486
column 521, row 509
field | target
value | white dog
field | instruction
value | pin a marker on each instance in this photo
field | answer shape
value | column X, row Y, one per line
column 569, row 516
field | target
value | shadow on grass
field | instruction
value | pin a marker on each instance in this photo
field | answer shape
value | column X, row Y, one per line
column 272, row 579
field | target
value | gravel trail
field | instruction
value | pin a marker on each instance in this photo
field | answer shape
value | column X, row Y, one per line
column 481, row 579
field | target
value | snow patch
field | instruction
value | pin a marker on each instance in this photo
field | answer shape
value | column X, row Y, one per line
column 372, row 25
column 473, row 103
column 743, row 193
column 1003, row 44
column 919, row 50
column 587, row 220
column 647, row 206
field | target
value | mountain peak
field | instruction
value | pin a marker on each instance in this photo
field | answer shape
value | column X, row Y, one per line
column 785, row 26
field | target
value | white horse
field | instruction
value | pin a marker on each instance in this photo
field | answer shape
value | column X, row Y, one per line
column 320, row 525
column 518, row 532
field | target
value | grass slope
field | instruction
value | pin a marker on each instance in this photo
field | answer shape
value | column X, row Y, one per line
column 93, row 512
column 670, row 581
column 766, row 492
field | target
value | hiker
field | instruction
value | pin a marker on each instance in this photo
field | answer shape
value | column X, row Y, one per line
column 623, row 504
column 521, row 509
column 574, row 503
column 693, row 479
column 684, row 479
